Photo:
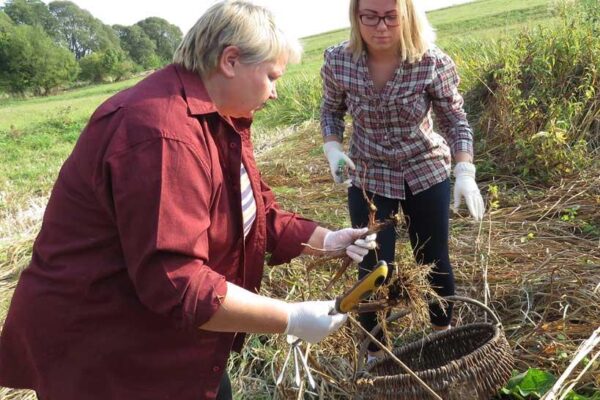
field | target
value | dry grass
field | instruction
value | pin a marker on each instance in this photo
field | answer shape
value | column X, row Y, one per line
column 542, row 270
column 535, row 260
column 17, row 232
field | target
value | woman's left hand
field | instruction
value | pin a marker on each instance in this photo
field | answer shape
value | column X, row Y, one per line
column 465, row 186
column 352, row 240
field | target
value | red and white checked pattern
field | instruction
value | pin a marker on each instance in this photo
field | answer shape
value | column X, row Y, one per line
column 393, row 138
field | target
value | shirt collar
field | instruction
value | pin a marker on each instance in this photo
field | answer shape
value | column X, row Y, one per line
column 195, row 93
column 199, row 102
column 362, row 63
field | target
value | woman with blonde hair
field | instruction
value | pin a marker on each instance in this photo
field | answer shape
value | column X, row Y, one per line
column 146, row 270
column 390, row 77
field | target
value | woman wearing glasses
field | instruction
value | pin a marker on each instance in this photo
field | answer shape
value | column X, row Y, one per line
column 389, row 77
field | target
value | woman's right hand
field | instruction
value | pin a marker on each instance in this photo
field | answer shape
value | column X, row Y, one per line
column 352, row 240
column 245, row 311
column 338, row 160
column 311, row 322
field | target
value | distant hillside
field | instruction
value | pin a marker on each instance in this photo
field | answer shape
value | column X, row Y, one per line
column 476, row 20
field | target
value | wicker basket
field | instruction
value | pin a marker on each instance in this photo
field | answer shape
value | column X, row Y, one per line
column 472, row 361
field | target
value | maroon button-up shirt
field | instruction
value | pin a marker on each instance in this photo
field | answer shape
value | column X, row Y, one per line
column 142, row 231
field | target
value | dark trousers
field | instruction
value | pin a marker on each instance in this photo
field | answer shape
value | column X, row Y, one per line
column 224, row 392
column 427, row 219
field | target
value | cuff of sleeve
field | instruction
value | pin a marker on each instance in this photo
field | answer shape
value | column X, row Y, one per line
column 463, row 146
column 297, row 231
column 328, row 132
column 203, row 298
column 464, row 169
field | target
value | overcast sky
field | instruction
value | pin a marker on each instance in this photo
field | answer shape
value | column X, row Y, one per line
column 299, row 17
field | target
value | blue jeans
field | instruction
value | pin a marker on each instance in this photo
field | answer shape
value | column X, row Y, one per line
column 427, row 219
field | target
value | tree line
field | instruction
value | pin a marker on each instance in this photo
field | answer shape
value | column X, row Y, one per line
column 45, row 47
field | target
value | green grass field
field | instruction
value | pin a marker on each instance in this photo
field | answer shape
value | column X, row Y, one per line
column 77, row 104
column 37, row 134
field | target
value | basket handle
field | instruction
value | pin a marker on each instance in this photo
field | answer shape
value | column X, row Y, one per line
column 403, row 313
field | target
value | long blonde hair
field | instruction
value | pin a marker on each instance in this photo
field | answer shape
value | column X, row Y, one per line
column 416, row 36
column 238, row 23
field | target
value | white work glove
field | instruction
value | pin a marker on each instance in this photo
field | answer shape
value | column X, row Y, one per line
column 338, row 160
column 350, row 239
column 310, row 320
column 465, row 186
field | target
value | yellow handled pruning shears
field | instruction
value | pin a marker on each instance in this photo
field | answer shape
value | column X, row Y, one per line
column 362, row 289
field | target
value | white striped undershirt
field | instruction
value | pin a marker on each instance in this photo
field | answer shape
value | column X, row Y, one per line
column 248, row 203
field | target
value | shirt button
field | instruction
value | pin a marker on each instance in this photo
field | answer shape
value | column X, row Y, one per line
column 216, row 368
column 232, row 145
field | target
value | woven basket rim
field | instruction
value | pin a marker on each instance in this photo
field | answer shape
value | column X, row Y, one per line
column 497, row 333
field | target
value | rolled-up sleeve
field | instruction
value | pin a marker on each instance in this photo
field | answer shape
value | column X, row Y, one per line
column 448, row 106
column 161, row 192
column 333, row 103
column 286, row 231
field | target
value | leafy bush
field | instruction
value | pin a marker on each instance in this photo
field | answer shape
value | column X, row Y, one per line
column 165, row 36
column 29, row 60
column 138, row 45
column 538, row 101
column 33, row 13
column 109, row 65
column 5, row 22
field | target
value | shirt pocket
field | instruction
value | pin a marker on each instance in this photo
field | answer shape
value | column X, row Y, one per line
column 358, row 108
column 408, row 109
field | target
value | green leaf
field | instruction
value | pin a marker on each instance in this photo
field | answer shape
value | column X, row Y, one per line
column 574, row 396
column 534, row 382
column 514, row 382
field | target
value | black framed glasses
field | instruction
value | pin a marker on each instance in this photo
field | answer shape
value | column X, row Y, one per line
column 373, row 20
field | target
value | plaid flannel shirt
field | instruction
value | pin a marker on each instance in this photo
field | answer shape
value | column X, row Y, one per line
column 393, row 139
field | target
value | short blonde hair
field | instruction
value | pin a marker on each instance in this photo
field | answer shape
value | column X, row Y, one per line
column 416, row 36
column 238, row 23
